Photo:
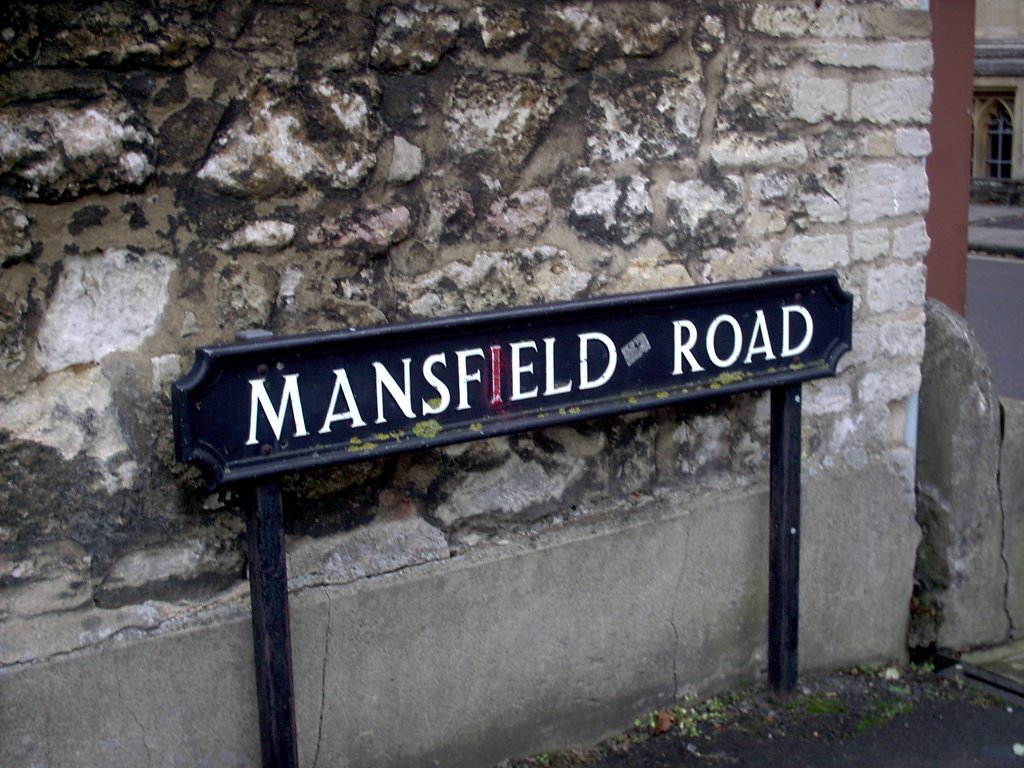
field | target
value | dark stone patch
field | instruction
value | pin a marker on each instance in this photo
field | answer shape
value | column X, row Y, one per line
column 86, row 217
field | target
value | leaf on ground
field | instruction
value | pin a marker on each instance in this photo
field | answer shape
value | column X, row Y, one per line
column 664, row 724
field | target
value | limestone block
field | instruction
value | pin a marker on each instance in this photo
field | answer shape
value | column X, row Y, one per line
column 870, row 244
column 103, row 304
column 500, row 29
column 406, row 161
column 960, row 571
column 572, row 36
column 817, row 251
column 637, row 35
column 15, row 238
column 911, row 243
column 639, row 117
column 518, row 488
column 896, row 287
column 913, row 142
column 268, row 149
column 521, row 214
column 893, row 100
column 613, row 210
column 372, row 230
column 44, row 579
column 895, row 55
column 413, row 38
column 815, row 99
column 196, row 568
column 264, row 236
column 704, row 210
column 1011, row 491
column 50, row 152
column 888, row 383
column 737, row 151
column 111, row 34
column 782, row 22
column 382, row 546
column 882, row 190
column 494, row 279
column 499, row 116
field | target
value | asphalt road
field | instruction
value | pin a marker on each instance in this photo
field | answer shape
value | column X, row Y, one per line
column 995, row 310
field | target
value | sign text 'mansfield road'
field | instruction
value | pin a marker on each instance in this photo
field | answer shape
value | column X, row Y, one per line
column 274, row 405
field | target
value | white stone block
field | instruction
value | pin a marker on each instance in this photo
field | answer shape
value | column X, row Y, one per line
column 815, row 99
column 882, row 190
column 781, row 21
column 896, row 288
column 913, row 142
column 896, row 55
column 103, row 304
column 817, row 251
column 892, row 100
column 734, row 151
column 911, row 242
column 870, row 244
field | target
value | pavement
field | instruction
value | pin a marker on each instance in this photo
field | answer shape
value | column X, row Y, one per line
column 995, row 288
column 996, row 229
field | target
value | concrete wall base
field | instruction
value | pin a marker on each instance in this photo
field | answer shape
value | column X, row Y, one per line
column 466, row 662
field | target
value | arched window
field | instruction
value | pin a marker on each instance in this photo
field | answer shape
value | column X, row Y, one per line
column 992, row 135
column 1000, row 142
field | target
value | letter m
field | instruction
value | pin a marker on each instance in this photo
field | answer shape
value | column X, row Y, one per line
column 289, row 398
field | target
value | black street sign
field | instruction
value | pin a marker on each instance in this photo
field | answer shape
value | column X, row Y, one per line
column 274, row 405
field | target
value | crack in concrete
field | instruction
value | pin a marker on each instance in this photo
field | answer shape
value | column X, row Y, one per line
column 1002, row 522
column 323, row 680
column 672, row 615
column 131, row 712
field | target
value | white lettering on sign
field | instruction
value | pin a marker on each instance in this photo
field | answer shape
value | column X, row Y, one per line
column 724, row 340
column 289, row 397
column 410, row 388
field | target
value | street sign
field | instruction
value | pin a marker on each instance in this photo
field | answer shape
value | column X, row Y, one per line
column 275, row 405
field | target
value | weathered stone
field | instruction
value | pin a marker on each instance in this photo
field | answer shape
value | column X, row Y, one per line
column 572, row 36
column 284, row 143
column 901, row 56
column 83, row 324
column 732, row 151
column 815, row 99
column 193, row 568
column 896, row 287
column 71, row 412
column 1011, row 491
column 650, row 271
column 382, row 546
column 643, row 117
column 263, row 236
column 54, row 153
column 499, row 116
column 245, row 296
column 710, row 34
column 15, row 238
column 614, row 210
column 704, row 210
column 637, row 35
column 406, row 161
column 370, row 231
column 960, row 568
column 792, row 21
column 911, row 243
column 893, row 100
column 517, row 489
column 521, row 214
column 185, row 135
column 44, row 579
column 812, row 252
column 882, row 190
column 495, row 279
column 413, row 37
column 109, row 34
column 913, row 142
column 500, row 29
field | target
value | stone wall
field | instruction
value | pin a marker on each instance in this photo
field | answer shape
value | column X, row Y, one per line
column 173, row 173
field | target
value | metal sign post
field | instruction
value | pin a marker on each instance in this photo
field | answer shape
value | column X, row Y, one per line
column 251, row 411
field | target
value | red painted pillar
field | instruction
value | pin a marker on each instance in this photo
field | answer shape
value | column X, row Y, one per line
column 949, row 166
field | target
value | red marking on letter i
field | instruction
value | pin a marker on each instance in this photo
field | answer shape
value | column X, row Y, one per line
column 496, row 401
